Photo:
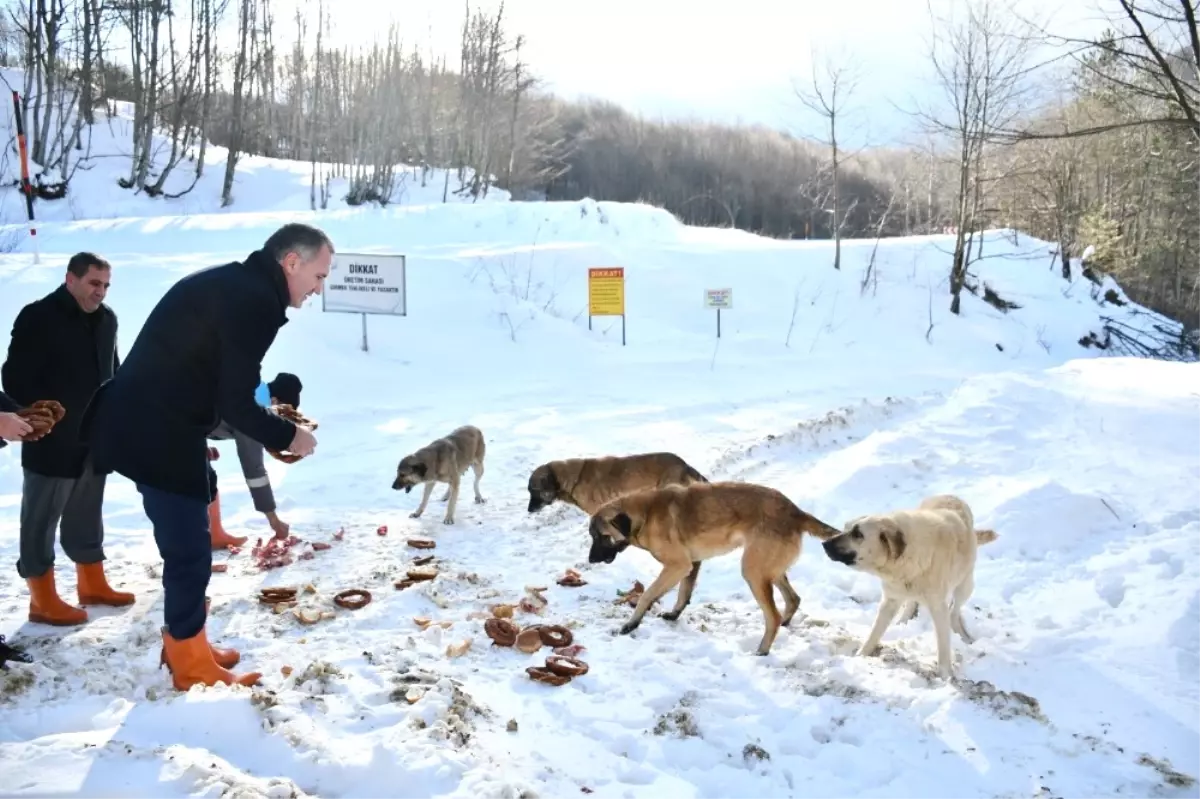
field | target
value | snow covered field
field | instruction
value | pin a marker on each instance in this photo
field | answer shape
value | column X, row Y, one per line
column 1083, row 680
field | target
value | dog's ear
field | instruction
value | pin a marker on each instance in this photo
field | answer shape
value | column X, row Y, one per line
column 419, row 469
column 893, row 542
column 623, row 525
column 551, row 481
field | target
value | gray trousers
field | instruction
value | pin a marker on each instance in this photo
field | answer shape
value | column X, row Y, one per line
column 76, row 503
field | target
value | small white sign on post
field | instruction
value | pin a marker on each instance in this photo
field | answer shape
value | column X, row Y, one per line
column 721, row 299
column 364, row 284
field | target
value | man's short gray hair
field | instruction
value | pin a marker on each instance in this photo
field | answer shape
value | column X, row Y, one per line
column 304, row 240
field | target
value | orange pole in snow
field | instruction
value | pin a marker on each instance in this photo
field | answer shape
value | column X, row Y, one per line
column 26, row 186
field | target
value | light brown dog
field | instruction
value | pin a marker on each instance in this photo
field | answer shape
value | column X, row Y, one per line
column 587, row 483
column 682, row 526
column 444, row 460
column 922, row 555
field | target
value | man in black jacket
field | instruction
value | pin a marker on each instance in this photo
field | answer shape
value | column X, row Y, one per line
column 197, row 361
column 63, row 347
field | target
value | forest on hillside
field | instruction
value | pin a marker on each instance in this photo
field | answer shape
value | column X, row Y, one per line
column 1111, row 162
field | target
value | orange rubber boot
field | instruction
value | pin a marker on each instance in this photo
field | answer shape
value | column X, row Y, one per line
column 220, row 538
column 47, row 607
column 225, row 658
column 93, row 587
column 191, row 662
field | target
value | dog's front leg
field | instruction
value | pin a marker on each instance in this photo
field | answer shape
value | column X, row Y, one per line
column 883, row 617
column 684, row 595
column 667, row 579
column 449, row 519
column 424, row 501
column 941, row 626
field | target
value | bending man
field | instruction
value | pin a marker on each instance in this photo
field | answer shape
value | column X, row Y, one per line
column 197, row 361
column 285, row 388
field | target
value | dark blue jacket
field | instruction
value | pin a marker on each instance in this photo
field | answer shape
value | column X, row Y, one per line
column 59, row 352
column 195, row 362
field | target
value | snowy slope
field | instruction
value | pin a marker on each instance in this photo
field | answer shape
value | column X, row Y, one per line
column 1082, row 680
column 260, row 184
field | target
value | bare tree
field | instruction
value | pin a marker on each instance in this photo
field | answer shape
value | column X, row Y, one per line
column 980, row 65
column 242, row 83
column 832, row 84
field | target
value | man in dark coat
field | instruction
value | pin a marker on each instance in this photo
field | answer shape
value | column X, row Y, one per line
column 63, row 347
column 197, row 361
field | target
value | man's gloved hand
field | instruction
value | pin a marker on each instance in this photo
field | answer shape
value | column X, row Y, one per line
column 213, row 453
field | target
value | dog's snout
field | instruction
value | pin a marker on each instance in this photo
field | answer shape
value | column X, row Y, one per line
column 835, row 553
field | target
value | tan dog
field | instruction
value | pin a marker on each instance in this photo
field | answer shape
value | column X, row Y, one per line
column 923, row 555
column 444, row 460
column 682, row 526
column 587, row 483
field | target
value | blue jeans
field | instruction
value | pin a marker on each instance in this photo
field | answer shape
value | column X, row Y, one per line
column 181, row 533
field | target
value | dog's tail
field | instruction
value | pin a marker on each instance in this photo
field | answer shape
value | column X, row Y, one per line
column 817, row 528
column 985, row 536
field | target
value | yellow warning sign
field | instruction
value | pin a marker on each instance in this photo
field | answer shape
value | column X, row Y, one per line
column 606, row 291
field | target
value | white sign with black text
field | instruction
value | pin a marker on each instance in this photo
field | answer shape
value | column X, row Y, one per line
column 721, row 299
column 366, row 283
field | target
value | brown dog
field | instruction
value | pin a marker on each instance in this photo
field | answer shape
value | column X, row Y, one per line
column 444, row 460
column 682, row 526
column 587, row 483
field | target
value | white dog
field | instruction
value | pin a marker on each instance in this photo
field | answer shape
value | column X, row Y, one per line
column 923, row 555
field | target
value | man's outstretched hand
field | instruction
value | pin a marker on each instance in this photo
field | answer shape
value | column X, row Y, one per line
column 303, row 442
column 12, row 427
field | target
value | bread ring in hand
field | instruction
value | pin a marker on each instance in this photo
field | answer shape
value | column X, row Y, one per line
column 294, row 416
column 54, row 406
column 41, row 416
column 285, row 411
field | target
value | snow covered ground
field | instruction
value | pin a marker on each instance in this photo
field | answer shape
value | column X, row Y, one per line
column 1082, row 680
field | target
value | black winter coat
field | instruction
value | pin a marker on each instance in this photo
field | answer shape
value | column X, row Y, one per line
column 59, row 352
column 195, row 362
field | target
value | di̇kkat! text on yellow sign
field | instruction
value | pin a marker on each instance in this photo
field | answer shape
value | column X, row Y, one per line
column 606, row 291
